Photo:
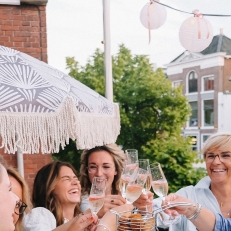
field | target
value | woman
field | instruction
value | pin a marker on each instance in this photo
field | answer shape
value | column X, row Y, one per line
column 107, row 162
column 57, row 188
column 212, row 192
column 21, row 190
column 202, row 218
column 7, row 202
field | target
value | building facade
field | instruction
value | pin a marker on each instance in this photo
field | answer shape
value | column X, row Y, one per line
column 23, row 27
column 206, row 82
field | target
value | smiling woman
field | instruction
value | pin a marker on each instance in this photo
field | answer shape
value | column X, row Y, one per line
column 212, row 192
column 57, row 189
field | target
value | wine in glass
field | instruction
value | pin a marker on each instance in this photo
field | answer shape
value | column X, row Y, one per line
column 144, row 164
column 129, row 174
column 159, row 182
column 97, row 194
column 160, row 188
column 135, row 187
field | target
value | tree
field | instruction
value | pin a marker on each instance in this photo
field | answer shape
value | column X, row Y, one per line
column 152, row 111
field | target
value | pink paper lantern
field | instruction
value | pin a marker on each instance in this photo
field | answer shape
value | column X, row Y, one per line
column 195, row 33
column 153, row 15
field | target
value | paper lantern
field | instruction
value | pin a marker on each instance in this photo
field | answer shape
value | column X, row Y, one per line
column 153, row 15
column 196, row 33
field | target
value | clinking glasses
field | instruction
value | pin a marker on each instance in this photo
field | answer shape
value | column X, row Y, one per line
column 20, row 207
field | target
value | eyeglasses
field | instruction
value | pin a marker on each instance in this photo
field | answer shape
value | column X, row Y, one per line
column 20, row 207
column 94, row 168
column 224, row 157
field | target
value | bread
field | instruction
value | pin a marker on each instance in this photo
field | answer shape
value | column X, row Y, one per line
column 135, row 222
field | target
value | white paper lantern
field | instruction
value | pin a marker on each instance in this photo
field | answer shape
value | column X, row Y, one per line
column 153, row 15
column 196, row 33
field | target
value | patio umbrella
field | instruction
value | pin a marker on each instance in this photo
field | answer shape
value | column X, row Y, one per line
column 42, row 107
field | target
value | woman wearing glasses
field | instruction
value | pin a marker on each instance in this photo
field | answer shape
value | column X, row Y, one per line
column 20, row 189
column 212, row 192
column 7, row 201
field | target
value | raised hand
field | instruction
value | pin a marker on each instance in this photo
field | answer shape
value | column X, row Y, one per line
column 110, row 202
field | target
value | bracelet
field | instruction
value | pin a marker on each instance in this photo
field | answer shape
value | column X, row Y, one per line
column 113, row 211
column 104, row 227
column 196, row 214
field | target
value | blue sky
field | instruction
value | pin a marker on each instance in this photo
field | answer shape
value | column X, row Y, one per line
column 75, row 28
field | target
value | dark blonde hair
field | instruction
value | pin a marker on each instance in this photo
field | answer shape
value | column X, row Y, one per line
column 216, row 141
column 25, row 195
column 44, row 186
column 118, row 158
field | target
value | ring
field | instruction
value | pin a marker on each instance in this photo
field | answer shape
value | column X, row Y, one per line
column 112, row 201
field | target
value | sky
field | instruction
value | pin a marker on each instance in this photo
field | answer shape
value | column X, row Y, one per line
column 75, row 28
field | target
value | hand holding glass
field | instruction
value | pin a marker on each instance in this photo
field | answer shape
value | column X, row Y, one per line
column 97, row 194
column 134, row 188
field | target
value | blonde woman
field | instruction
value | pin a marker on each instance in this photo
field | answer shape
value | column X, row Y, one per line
column 107, row 162
column 212, row 192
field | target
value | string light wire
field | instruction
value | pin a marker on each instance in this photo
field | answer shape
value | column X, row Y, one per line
column 210, row 15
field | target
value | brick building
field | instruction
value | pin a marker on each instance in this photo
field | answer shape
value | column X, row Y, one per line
column 205, row 78
column 23, row 27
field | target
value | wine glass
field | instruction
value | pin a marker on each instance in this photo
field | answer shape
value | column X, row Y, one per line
column 129, row 174
column 131, row 156
column 135, row 187
column 159, row 182
column 97, row 194
column 144, row 164
column 160, row 188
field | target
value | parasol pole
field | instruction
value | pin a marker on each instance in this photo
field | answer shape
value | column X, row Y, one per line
column 107, row 51
column 20, row 161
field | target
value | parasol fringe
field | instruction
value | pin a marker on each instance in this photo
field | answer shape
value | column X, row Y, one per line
column 97, row 130
column 46, row 132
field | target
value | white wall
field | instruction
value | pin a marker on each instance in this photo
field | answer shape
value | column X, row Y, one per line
column 224, row 112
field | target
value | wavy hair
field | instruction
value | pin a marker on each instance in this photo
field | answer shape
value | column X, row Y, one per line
column 44, row 186
column 118, row 157
column 25, row 195
column 216, row 141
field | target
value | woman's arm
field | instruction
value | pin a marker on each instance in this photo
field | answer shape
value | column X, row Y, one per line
column 202, row 218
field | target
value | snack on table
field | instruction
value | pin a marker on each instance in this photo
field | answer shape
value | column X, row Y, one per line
column 135, row 222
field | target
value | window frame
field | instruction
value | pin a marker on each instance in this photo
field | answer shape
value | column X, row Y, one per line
column 187, row 83
column 202, row 84
column 203, row 117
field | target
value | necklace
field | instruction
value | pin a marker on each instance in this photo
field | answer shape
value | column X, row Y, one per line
column 221, row 205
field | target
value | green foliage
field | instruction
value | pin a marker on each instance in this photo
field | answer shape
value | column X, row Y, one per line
column 69, row 154
column 152, row 112
column 176, row 157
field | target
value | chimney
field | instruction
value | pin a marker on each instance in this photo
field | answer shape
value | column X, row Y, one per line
column 221, row 31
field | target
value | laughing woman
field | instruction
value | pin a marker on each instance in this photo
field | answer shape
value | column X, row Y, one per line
column 212, row 192
column 56, row 197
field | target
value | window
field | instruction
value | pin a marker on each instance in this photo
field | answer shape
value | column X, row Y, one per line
column 193, row 121
column 10, row 2
column 176, row 84
column 208, row 83
column 192, row 82
column 194, row 142
column 208, row 113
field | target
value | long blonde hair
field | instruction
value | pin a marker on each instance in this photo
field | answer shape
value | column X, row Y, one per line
column 118, row 158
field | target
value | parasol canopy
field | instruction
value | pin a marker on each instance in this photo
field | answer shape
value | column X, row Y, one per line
column 42, row 107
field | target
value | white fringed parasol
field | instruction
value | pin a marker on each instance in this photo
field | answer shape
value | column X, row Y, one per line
column 41, row 108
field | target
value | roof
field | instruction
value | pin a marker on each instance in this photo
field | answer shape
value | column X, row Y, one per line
column 220, row 43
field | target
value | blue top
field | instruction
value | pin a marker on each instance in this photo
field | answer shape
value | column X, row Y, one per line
column 222, row 224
